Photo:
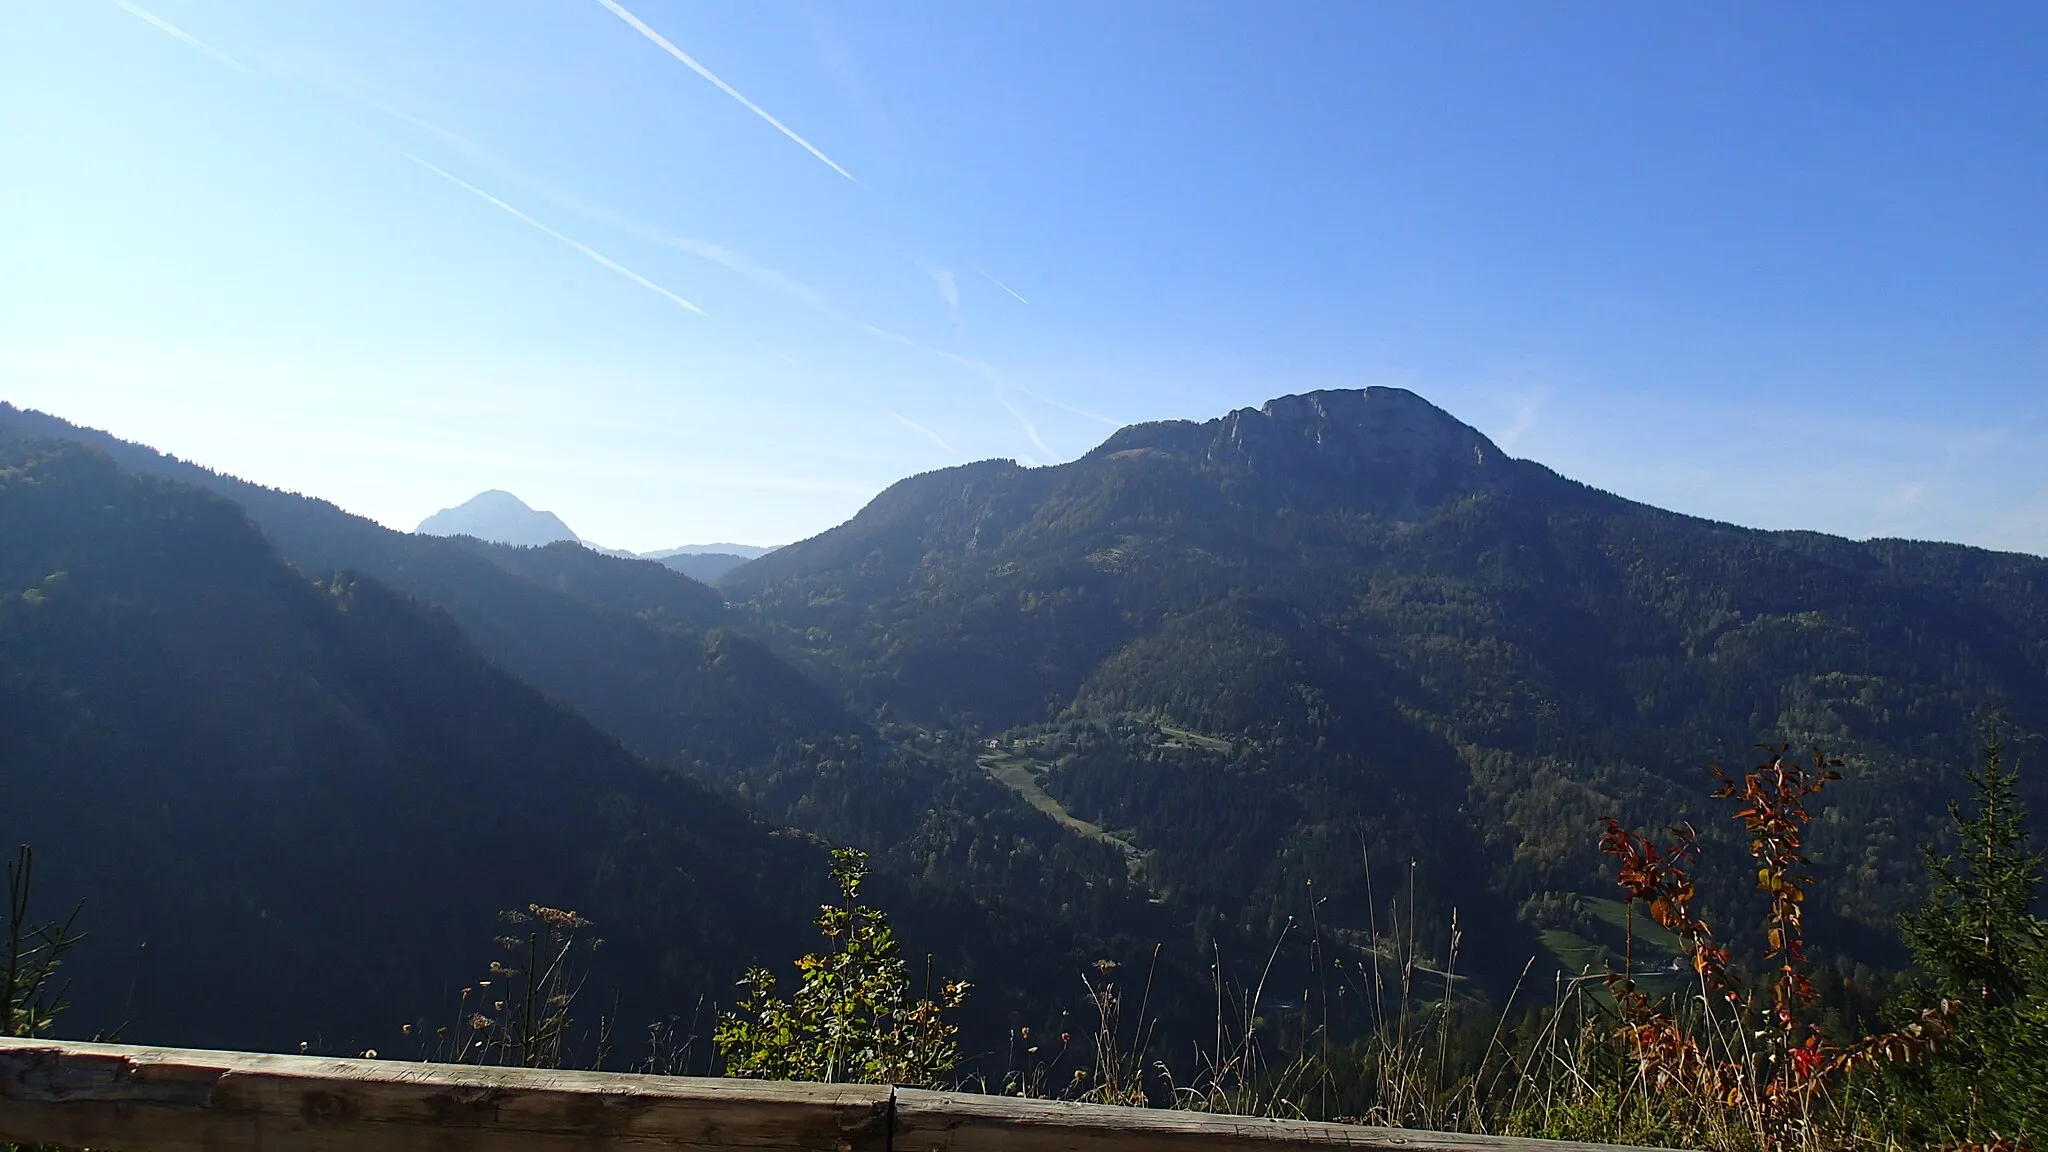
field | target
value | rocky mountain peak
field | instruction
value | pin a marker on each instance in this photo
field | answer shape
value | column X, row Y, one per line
column 499, row 517
column 1384, row 450
column 1360, row 426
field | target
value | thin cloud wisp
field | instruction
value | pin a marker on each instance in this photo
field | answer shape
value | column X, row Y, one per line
column 165, row 26
column 600, row 258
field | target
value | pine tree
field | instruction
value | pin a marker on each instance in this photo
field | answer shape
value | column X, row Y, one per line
column 1977, row 936
column 1980, row 945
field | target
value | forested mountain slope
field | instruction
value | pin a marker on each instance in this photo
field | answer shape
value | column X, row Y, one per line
column 634, row 645
column 706, row 566
column 295, row 806
column 1004, row 897
column 1256, row 642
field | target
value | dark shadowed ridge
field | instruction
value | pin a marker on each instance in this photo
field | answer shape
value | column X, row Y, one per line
column 708, row 567
column 647, row 655
column 638, row 647
column 295, row 807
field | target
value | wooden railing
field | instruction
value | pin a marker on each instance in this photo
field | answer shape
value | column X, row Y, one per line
column 109, row 1096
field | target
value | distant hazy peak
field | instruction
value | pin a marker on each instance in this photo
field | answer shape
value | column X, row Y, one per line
column 744, row 551
column 499, row 517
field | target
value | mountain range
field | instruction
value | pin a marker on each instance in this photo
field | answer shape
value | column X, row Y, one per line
column 743, row 551
column 1339, row 654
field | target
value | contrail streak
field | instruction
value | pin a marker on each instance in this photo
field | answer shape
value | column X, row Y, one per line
column 1000, row 284
column 456, row 140
column 1042, row 399
column 728, row 89
column 163, row 25
column 1030, row 429
column 921, row 430
column 770, row 278
column 592, row 253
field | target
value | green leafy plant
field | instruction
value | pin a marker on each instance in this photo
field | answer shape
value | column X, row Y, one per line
column 35, row 952
column 851, row 1018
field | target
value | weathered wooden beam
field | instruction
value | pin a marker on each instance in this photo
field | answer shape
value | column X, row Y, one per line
column 109, row 1096
column 170, row 1100
column 965, row 1122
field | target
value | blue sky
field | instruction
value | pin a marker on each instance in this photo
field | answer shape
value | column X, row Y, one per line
column 1785, row 265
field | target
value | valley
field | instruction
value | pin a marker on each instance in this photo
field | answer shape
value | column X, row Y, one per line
column 1021, row 775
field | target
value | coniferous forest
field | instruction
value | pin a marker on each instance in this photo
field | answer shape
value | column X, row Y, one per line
column 1318, row 759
